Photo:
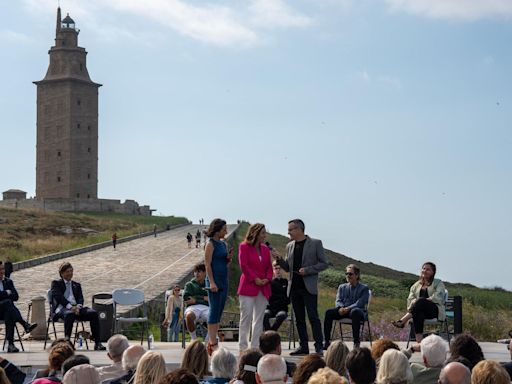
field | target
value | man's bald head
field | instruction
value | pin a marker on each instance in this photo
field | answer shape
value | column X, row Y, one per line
column 455, row 373
column 131, row 356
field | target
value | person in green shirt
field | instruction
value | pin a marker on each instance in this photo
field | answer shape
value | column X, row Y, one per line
column 195, row 298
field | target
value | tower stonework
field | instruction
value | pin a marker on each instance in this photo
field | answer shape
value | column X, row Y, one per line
column 67, row 121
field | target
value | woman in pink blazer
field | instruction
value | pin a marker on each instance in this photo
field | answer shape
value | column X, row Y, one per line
column 254, row 288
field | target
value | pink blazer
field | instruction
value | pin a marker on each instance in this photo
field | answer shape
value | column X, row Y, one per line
column 253, row 268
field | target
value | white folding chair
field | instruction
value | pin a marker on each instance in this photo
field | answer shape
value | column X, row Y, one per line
column 130, row 297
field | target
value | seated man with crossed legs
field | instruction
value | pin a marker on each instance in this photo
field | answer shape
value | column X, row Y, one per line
column 69, row 301
column 196, row 299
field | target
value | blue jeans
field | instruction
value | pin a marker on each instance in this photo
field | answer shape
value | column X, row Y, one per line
column 173, row 332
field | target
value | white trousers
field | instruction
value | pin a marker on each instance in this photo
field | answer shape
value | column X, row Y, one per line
column 252, row 310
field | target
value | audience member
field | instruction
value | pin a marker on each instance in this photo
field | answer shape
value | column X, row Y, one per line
column 254, row 289
column 195, row 298
column 380, row 346
column 13, row 373
column 278, row 302
column 9, row 312
column 335, row 357
column 309, row 365
column 82, row 374
column 68, row 304
column 173, row 314
column 351, row 301
column 327, row 376
column 116, row 345
column 270, row 343
column 195, row 359
column 361, row 366
column 131, row 357
column 56, row 357
column 466, row 346
column 247, row 364
column 73, row 361
column 179, row 376
column 425, row 301
column 150, row 369
column 223, row 367
column 508, row 366
column 455, row 373
column 3, row 377
column 433, row 352
column 489, row 372
column 271, row 370
column 394, row 368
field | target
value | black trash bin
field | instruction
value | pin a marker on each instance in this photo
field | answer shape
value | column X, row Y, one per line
column 104, row 305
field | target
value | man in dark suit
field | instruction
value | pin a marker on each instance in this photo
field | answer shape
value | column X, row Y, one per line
column 68, row 304
column 304, row 260
column 8, row 311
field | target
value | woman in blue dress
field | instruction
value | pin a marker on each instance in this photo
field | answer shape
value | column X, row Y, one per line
column 216, row 259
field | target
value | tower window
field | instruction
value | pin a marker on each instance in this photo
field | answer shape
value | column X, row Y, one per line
column 88, row 127
column 88, row 196
column 78, row 102
column 81, row 67
column 78, row 125
column 88, row 175
column 58, row 179
column 89, row 149
column 78, row 195
column 58, row 153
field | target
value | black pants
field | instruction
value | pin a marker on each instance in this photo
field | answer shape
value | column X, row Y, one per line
column 86, row 314
column 422, row 309
column 278, row 314
column 303, row 301
column 11, row 315
column 356, row 315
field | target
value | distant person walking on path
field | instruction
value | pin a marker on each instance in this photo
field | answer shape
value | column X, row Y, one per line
column 154, row 230
column 425, row 301
column 114, row 240
column 173, row 314
column 198, row 238
column 216, row 259
column 304, row 260
column 189, row 239
column 254, row 289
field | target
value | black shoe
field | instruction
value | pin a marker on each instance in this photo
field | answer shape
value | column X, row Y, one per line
column 357, row 344
column 326, row 345
column 300, row 351
column 12, row 349
column 99, row 347
column 320, row 352
column 29, row 327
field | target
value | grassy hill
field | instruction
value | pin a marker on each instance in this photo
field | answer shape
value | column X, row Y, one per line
column 25, row 234
column 487, row 313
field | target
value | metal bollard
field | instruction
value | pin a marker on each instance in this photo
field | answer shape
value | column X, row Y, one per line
column 39, row 317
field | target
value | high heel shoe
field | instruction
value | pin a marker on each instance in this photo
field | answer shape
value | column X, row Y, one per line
column 398, row 323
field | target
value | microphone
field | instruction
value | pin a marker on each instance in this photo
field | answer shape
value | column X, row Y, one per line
column 209, row 289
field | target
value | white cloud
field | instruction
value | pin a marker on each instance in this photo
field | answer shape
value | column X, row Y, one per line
column 364, row 76
column 237, row 24
column 391, row 81
column 455, row 9
column 275, row 13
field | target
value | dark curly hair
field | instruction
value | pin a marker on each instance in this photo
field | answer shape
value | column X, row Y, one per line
column 309, row 365
column 466, row 346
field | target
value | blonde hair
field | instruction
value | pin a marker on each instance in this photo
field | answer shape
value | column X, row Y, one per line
column 150, row 369
column 394, row 368
column 195, row 359
column 489, row 372
column 326, row 376
column 3, row 377
column 336, row 355
column 253, row 233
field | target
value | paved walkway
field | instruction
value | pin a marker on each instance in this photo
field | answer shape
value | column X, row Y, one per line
column 150, row 264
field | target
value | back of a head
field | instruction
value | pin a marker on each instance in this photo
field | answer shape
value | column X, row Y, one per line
column 131, row 357
column 309, row 365
column 465, row 345
column 269, row 342
column 434, row 350
column 58, row 354
column 73, row 361
column 223, row 364
column 382, row 345
column 151, row 368
column 489, row 372
column 327, row 376
column 247, row 364
column 336, row 355
column 394, row 368
column 116, row 345
column 179, row 376
column 455, row 373
column 82, row 374
column 195, row 359
column 361, row 366
column 3, row 377
column 271, row 368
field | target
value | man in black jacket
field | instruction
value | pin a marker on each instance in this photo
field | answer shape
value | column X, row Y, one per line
column 278, row 303
column 68, row 304
column 8, row 311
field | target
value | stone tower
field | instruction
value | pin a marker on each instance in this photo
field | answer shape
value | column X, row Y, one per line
column 67, row 121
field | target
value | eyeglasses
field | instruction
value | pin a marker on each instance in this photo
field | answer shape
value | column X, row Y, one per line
column 349, row 274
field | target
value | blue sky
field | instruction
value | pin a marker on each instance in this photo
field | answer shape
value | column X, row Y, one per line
column 384, row 124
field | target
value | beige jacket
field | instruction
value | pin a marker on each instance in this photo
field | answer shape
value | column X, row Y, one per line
column 436, row 293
